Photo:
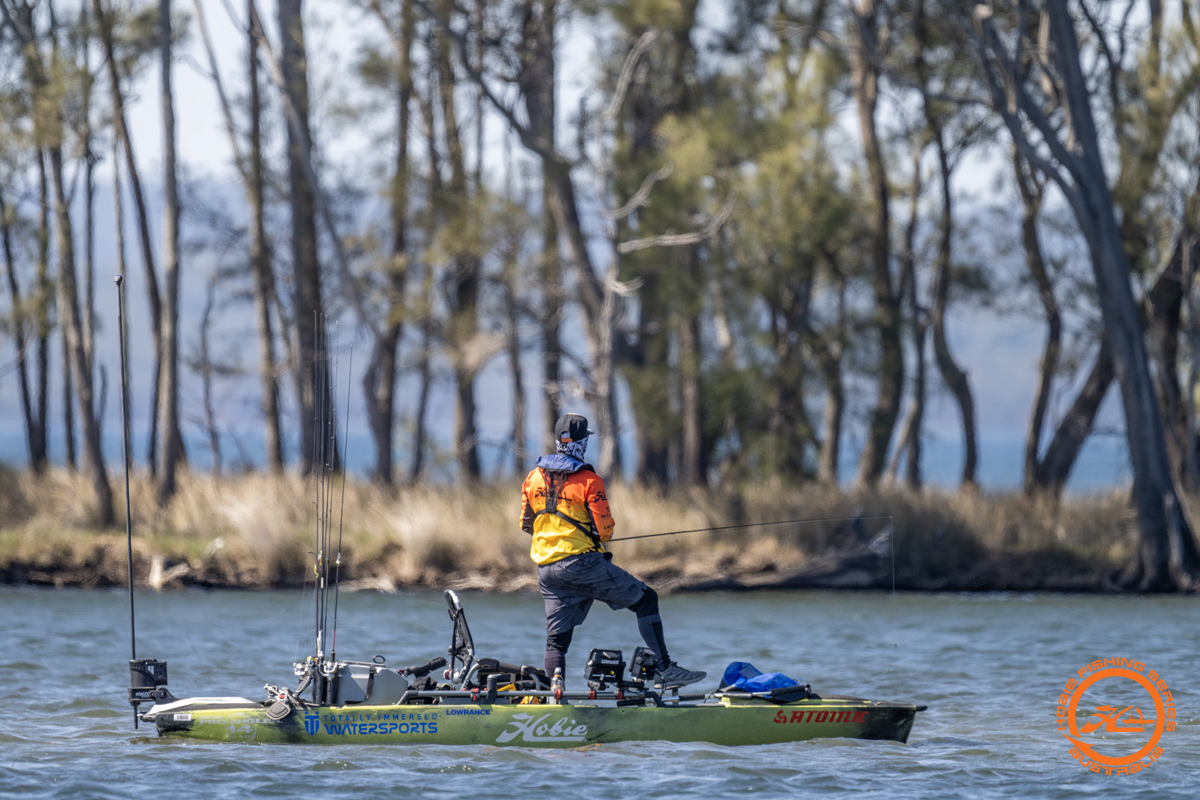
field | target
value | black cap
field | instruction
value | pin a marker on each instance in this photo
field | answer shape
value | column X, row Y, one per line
column 572, row 428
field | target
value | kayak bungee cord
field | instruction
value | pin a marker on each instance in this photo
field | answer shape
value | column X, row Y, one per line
column 721, row 529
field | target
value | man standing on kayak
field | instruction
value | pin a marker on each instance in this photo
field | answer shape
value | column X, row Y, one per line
column 565, row 508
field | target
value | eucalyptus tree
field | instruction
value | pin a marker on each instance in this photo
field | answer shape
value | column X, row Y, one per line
column 42, row 70
column 251, row 169
column 28, row 321
column 537, row 78
column 799, row 235
column 1044, row 100
column 318, row 448
column 126, row 39
column 169, row 404
column 395, row 76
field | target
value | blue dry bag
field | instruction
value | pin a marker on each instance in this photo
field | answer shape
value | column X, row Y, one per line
column 746, row 677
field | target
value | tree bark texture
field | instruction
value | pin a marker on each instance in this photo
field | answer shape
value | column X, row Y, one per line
column 73, row 331
column 952, row 374
column 379, row 380
column 536, row 81
column 169, row 402
column 260, row 262
column 1161, row 521
column 312, row 374
column 865, row 80
column 1031, row 200
column 464, row 322
column 68, row 405
column 34, row 435
column 68, row 302
column 43, row 294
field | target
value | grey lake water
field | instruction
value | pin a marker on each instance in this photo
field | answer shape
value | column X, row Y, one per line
column 990, row 668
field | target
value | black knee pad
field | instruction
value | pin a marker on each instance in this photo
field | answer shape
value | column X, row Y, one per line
column 559, row 642
column 647, row 606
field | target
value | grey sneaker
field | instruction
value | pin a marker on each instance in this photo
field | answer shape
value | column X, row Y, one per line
column 675, row 676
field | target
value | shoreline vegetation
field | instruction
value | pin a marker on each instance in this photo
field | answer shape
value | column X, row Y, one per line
column 256, row 532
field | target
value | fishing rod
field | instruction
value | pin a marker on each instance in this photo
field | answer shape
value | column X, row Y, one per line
column 337, row 574
column 330, row 452
column 721, row 529
column 146, row 675
column 119, row 279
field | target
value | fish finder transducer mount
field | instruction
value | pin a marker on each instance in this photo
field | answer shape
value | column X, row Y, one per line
column 147, row 683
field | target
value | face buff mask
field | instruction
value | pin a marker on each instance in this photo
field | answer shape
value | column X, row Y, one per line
column 573, row 449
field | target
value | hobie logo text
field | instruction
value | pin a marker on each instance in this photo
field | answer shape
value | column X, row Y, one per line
column 537, row 729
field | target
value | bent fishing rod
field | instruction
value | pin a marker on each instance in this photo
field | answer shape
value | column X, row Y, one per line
column 720, row 529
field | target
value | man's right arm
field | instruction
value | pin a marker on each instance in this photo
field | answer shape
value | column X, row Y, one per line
column 527, row 514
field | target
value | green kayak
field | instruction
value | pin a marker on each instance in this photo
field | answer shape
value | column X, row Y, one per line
column 725, row 721
column 482, row 701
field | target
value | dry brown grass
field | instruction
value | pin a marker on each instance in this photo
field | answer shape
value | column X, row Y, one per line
column 257, row 531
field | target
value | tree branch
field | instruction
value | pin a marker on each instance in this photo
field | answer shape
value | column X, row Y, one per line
column 682, row 239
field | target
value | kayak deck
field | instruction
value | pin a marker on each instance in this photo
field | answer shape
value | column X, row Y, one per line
column 723, row 721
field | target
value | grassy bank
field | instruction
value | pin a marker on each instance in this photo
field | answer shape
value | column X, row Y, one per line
column 255, row 531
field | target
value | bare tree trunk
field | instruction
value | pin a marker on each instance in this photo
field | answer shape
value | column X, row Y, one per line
column 425, row 378
column 1031, row 198
column 1165, row 308
column 510, row 281
column 912, row 429
column 536, row 80
column 250, row 169
column 73, row 330
column 19, row 331
column 829, row 357
column 89, row 190
column 121, row 131
column 1188, row 269
column 169, row 402
column 204, row 367
column 952, row 374
column 464, row 322
column 513, row 342
column 1162, row 523
column 552, row 311
column 68, row 406
column 311, row 377
column 379, row 380
column 653, row 465
column 865, row 67
column 43, row 291
column 692, row 473
column 260, row 260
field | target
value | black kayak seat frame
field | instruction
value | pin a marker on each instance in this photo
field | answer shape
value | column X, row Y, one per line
column 466, row 669
column 462, row 645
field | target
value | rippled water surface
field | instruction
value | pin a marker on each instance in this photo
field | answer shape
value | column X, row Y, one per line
column 990, row 668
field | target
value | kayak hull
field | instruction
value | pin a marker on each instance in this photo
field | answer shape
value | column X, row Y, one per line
column 752, row 722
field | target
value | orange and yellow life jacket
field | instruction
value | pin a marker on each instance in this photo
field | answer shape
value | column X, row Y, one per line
column 565, row 508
